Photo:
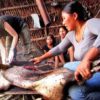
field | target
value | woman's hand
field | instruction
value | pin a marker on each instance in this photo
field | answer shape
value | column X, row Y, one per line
column 83, row 71
column 10, row 56
column 39, row 59
column 36, row 60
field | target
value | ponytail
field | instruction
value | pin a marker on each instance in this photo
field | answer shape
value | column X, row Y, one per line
column 82, row 11
column 87, row 13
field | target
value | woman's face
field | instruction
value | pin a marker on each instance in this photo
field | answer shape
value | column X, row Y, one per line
column 62, row 32
column 49, row 40
column 69, row 21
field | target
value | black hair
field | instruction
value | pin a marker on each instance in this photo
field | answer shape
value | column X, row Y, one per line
column 64, row 28
column 53, row 38
column 77, row 7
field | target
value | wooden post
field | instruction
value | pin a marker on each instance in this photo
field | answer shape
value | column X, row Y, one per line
column 43, row 12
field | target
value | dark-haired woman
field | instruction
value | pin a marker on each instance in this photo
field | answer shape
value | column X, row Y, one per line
column 84, row 35
column 69, row 54
column 50, row 43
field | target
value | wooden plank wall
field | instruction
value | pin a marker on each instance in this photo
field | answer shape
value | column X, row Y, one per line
column 26, row 8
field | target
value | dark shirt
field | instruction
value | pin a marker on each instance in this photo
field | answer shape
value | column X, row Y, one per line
column 65, row 54
column 14, row 21
column 46, row 48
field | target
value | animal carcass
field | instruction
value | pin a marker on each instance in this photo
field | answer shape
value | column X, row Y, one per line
column 49, row 84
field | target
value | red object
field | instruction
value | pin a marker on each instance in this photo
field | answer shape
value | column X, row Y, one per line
column 33, row 68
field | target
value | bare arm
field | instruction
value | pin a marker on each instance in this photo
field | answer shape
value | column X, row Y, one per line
column 56, row 61
column 71, row 53
column 92, row 54
column 84, row 67
column 41, row 58
column 3, row 50
column 61, row 57
column 54, row 51
column 13, row 33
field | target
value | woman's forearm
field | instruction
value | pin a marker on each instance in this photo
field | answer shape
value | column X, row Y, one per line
column 46, row 55
column 14, row 42
column 92, row 54
column 3, row 55
column 13, row 33
column 61, row 57
column 3, row 51
column 71, row 53
column 56, row 61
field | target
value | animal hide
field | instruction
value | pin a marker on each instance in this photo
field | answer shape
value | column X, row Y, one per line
column 50, row 84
